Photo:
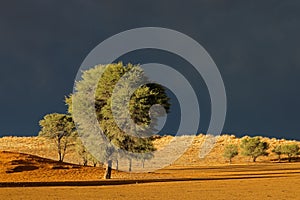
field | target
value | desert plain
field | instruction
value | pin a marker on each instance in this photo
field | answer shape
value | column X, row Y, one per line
column 29, row 170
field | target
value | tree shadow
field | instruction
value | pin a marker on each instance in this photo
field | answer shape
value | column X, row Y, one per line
column 21, row 162
column 22, row 165
column 22, row 168
column 286, row 160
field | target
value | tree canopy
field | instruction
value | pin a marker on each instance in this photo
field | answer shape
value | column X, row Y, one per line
column 61, row 129
column 230, row 151
column 254, row 147
column 121, row 97
column 290, row 150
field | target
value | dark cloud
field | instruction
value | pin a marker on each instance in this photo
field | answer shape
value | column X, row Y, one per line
column 254, row 44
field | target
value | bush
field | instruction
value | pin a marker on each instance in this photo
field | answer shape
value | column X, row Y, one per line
column 230, row 152
column 290, row 150
column 254, row 147
column 278, row 151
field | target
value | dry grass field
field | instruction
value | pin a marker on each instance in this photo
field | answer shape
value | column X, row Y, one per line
column 28, row 170
column 44, row 148
column 236, row 189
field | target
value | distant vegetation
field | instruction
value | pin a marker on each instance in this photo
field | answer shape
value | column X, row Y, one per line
column 230, row 152
column 46, row 148
column 290, row 150
column 254, row 148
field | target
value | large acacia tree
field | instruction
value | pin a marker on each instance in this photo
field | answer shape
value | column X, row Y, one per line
column 124, row 136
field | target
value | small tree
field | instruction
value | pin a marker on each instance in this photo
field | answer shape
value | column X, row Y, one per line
column 61, row 129
column 230, row 152
column 93, row 160
column 82, row 152
column 145, row 156
column 290, row 150
column 278, row 151
column 254, row 147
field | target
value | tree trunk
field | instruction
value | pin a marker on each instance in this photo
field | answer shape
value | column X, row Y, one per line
column 143, row 163
column 290, row 158
column 59, row 151
column 117, row 165
column 85, row 162
column 254, row 159
column 229, row 160
column 59, row 157
column 65, row 144
column 130, row 165
column 107, row 174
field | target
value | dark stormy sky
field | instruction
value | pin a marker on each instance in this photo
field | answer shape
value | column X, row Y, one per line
column 255, row 45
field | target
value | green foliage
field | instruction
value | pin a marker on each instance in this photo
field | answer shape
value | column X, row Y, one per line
column 140, row 102
column 106, row 78
column 92, row 159
column 290, row 150
column 278, row 151
column 84, row 154
column 254, row 147
column 61, row 129
column 230, row 151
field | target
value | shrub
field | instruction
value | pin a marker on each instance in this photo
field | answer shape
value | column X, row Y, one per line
column 230, row 152
column 290, row 150
column 254, row 147
column 278, row 151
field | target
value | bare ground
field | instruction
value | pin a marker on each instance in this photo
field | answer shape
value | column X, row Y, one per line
column 246, row 188
column 188, row 178
column 249, row 181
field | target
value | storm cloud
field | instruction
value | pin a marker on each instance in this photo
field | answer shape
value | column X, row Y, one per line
column 254, row 44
